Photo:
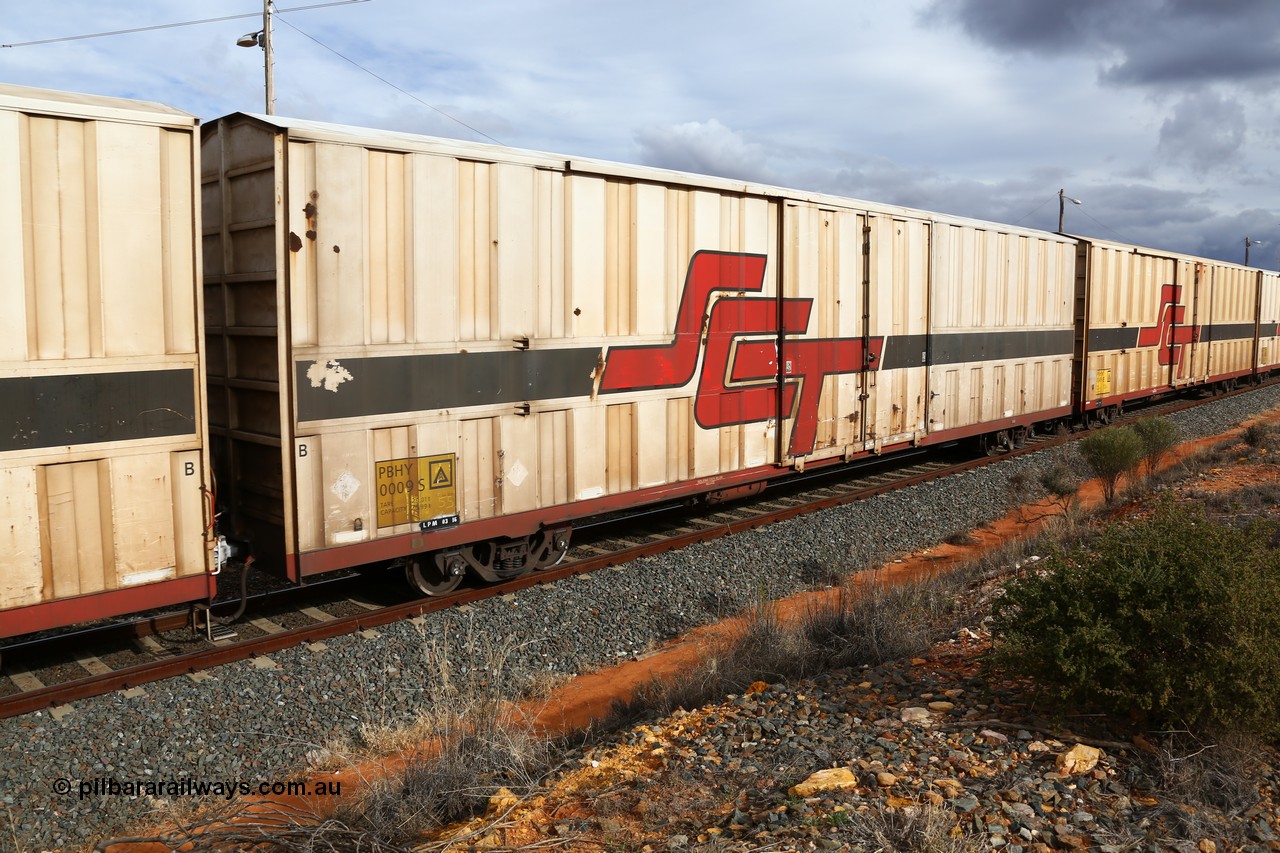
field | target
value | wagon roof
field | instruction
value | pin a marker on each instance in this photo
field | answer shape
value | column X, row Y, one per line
column 1158, row 253
column 76, row 105
column 390, row 140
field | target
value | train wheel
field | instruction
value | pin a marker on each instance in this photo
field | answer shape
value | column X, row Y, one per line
column 993, row 443
column 554, row 550
column 435, row 574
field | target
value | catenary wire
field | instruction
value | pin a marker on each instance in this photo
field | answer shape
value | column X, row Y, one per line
column 1034, row 210
column 178, row 24
column 388, row 82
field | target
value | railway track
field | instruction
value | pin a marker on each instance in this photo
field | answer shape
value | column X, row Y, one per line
column 52, row 672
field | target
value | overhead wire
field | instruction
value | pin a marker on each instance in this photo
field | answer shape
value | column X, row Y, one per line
column 376, row 76
column 1033, row 211
column 174, row 25
column 1114, row 233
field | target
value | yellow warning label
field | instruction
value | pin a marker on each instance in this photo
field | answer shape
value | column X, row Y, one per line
column 440, row 473
column 1103, row 384
column 418, row 489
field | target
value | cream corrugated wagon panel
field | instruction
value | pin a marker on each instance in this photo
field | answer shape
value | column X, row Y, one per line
column 679, row 430
column 398, row 255
column 585, row 211
column 177, row 232
column 948, row 251
column 381, row 195
column 1013, row 295
column 515, row 245
column 649, row 260
column 308, row 458
column 142, row 517
column 435, row 248
column 128, row 221
column 620, row 438
column 619, row 292
column 553, row 458
column 477, row 468
column 63, row 306
column 758, row 443
column 588, row 443
column 1269, row 321
column 79, row 544
column 348, row 489
column 651, row 443
column 518, row 462
column 706, row 450
column 989, row 258
column 731, row 448
column 825, row 323
column 303, row 277
column 1233, row 318
column 190, row 550
column 476, row 309
column 340, row 257
column 916, row 245
column 13, row 262
column 549, row 189
column 21, row 560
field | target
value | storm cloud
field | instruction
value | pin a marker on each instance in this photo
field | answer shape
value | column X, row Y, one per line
column 1137, row 42
column 1205, row 131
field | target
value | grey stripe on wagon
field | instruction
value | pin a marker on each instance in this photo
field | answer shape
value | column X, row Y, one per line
column 367, row 386
column 93, row 408
column 361, row 387
column 962, row 347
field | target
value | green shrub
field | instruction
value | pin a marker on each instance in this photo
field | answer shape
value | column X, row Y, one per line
column 1111, row 454
column 1158, row 435
column 1062, row 485
column 1261, row 434
column 1174, row 618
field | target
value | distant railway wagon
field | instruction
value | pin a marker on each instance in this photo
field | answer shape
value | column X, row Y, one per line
column 443, row 355
column 103, row 466
column 1153, row 322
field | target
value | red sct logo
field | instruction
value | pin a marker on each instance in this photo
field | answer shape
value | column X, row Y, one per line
column 1168, row 332
column 737, row 342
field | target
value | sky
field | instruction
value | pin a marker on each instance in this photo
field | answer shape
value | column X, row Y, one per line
column 1159, row 115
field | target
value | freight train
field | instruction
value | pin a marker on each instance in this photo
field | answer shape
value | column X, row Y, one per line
column 349, row 347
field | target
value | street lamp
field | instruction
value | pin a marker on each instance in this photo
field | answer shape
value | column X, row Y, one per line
column 1063, row 198
column 262, row 39
column 1247, row 243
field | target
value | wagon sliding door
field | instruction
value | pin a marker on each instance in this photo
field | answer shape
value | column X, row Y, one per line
column 823, row 401
column 1182, row 315
column 850, row 281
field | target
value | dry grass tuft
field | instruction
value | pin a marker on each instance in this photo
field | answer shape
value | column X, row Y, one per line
column 868, row 625
column 915, row 829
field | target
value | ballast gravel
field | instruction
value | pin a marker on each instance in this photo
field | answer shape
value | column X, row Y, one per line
column 255, row 722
